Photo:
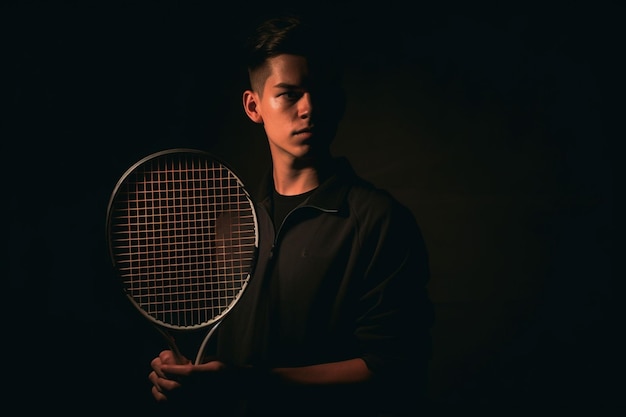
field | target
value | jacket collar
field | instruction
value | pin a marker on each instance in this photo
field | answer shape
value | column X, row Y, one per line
column 329, row 196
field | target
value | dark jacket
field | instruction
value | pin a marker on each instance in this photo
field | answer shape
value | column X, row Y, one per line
column 345, row 276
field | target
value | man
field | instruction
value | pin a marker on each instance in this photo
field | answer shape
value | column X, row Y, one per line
column 336, row 317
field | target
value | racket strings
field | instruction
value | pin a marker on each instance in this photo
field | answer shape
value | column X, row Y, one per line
column 184, row 237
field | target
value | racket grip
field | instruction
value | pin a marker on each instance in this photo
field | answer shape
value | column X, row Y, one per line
column 180, row 358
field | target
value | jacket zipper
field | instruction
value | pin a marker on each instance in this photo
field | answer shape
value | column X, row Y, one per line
column 278, row 232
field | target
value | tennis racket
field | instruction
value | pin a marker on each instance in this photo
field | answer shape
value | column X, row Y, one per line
column 183, row 237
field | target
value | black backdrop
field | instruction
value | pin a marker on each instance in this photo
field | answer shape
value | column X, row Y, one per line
column 487, row 121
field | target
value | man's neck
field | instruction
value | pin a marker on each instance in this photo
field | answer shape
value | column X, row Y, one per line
column 294, row 181
column 294, row 176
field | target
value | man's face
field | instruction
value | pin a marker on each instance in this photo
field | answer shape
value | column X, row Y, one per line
column 296, row 112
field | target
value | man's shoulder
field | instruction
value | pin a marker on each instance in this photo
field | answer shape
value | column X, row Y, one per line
column 366, row 199
column 363, row 196
column 359, row 187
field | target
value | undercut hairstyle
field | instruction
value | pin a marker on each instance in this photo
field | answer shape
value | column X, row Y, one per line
column 293, row 34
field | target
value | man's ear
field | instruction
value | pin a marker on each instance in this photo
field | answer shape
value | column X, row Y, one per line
column 250, row 100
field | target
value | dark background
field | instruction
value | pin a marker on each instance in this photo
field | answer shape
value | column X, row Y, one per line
column 489, row 121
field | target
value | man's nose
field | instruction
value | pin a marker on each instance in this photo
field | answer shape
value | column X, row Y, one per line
column 305, row 106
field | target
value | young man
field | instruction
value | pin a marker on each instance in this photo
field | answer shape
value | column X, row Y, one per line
column 335, row 320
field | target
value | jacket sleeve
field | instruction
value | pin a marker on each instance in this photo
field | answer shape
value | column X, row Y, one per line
column 396, row 313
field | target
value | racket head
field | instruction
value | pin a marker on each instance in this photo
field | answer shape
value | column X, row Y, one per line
column 182, row 235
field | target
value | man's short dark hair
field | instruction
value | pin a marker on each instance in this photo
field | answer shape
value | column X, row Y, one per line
column 295, row 34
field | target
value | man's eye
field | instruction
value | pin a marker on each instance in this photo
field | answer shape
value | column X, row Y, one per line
column 291, row 95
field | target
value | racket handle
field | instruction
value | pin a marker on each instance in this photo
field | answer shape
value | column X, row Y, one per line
column 180, row 358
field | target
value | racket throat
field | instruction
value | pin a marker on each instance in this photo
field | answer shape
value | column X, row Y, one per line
column 171, row 342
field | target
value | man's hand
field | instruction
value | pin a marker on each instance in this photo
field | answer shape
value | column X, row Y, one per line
column 168, row 377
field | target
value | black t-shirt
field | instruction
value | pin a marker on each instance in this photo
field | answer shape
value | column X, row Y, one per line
column 283, row 204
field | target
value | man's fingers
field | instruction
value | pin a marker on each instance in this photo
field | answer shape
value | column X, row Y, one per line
column 211, row 366
column 162, row 384
column 158, row 395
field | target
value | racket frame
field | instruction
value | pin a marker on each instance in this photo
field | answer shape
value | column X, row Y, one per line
column 161, row 326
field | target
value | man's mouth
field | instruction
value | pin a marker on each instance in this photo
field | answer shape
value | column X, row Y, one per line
column 308, row 130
